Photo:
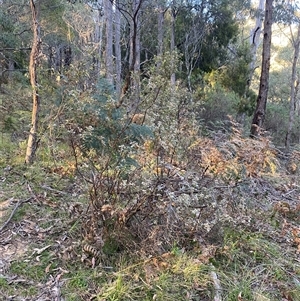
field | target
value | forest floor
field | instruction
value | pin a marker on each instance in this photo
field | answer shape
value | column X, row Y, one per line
column 252, row 254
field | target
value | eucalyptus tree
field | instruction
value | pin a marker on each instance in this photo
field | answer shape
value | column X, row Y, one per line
column 294, row 88
column 34, row 55
column 131, row 12
column 161, row 8
column 281, row 13
column 204, row 30
column 260, row 111
column 200, row 31
column 98, row 37
column 295, row 39
column 108, row 12
column 255, row 34
column 210, row 28
column 118, row 52
column 135, row 51
column 174, row 9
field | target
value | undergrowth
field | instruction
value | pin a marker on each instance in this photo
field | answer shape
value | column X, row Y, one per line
column 221, row 218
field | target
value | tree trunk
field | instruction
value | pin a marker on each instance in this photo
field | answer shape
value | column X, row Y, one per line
column 255, row 38
column 98, row 36
column 132, row 78
column 117, row 19
column 137, row 61
column 293, row 94
column 134, row 57
column 109, row 42
column 260, row 111
column 173, row 17
column 33, row 139
column 160, row 32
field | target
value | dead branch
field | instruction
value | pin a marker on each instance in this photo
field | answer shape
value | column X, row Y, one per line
column 19, row 203
column 217, row 286
column 53, row 190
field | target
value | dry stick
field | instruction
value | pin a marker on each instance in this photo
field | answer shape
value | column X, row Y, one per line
column 54, row 190
column 31, row 191
column 3, row 294
column 13, row 212
column 217, row 286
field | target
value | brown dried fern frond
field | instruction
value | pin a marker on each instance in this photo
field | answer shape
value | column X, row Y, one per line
column 234, row 156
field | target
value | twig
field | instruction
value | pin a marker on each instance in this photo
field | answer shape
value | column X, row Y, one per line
column 5, row 297
column 289, row 192
column 54, row 190
column 217, row 286
column 19, row 203
column 31, row 191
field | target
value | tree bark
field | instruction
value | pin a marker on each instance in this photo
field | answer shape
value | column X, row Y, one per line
column 109, row 41
column 160, row 32
column 293, row 93
column 117, row 23
column 33, row 137
column 172, row 46
column 260, row 111
column 98, row 37
column 255, row 38
column 137, row 61
column 134, row 56
column 132, row 82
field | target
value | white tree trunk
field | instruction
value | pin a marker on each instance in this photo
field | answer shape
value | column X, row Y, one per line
column 134, row 56
column 109, row 62
column 294, row 89
column 137, row 64
column 260, row 111
column 172, row 46
column 255, row 37
column 160, row 31
column 117, row 23
column 98, row 37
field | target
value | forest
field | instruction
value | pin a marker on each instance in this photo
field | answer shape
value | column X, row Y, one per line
column 149, row 150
